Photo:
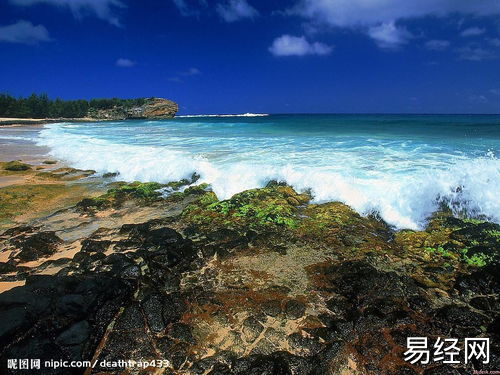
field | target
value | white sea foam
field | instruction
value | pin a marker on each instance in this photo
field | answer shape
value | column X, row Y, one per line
column 404, row 200
column 16, row 138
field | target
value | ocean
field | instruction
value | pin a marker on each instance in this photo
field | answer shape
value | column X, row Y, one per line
column 401, row 167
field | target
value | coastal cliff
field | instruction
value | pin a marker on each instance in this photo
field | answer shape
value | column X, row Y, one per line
column 152, row 108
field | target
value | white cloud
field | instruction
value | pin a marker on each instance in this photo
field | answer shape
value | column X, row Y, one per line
column 355, row 13
column 189, row 10
column 234, row 10
column 103, row 9
column 125, row 63
column 24, row 32
column 495, row 91
column 190, row 72
column 186, row 73
column 378, row 17
column 475, row 53
column 478, row 99
column 183, row 7
column 494, row 42
column 472, row 31
column 288, row 45
column 389, row 36
column 437, row 44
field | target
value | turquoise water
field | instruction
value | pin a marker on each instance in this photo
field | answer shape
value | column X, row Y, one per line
column 400, row 166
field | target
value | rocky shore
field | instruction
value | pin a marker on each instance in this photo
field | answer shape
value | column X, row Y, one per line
column 263, row 283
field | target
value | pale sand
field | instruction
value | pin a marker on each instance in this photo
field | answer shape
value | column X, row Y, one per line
column 17, row 143
column 16, row 121
column 7, row 285
column 13, row 121
column 68, row 251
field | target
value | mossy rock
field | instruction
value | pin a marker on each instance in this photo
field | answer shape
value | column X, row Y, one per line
column 272, row 206
column 50, row 162
column 66, row 174
column 143, row 192
column 146, row 192
column 338, row 225
column 16, row 166
column 471, row 242
column 36, row 199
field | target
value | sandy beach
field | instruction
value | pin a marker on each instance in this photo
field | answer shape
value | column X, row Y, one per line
column 17, row 121
column 17, row 142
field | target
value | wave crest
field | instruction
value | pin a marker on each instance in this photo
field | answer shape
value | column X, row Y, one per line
column 404, row 201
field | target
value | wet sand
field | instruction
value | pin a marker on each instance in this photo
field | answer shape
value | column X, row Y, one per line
column 17, row 143
column 28, row 195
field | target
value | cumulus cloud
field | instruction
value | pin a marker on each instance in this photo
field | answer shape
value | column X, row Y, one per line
column 189, row 9
column 475, row 53
column 288, row 45
column 103, row 9
column 472, row 31
column 437, row 44
column 389, row 36
column 125, row 63
column 24, row 32
column 378, row 17
column 233, row 10
column 353, row 13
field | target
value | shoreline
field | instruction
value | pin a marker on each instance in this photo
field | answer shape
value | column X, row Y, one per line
column 6, row 121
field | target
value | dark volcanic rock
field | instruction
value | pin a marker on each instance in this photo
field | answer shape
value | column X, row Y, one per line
column 34, row 246
column 44, row 318
column 294, row 309
column 259, row 284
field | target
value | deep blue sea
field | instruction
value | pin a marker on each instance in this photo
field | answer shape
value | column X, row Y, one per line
column 401, row 166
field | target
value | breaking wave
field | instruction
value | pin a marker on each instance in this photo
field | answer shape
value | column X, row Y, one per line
column 404, row 200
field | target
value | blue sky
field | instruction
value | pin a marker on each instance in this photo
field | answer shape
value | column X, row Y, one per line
column 233, row 56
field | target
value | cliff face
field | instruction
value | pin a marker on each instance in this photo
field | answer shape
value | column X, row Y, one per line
column 153, row 108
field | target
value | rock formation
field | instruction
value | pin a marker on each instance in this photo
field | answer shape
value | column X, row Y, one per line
column 264, row 283
column 153, row 109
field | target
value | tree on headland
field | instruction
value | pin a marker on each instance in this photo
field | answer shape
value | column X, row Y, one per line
column 40, row 106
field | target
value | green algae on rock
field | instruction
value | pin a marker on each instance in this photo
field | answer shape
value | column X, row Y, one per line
column 144, row 192
column 203, row 286
column 271, row 206
column 470, row 242
column 66, row 174
column 16, row 166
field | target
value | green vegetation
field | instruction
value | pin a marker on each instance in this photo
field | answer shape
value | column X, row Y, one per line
column 145, row 192
column 493, row 233
column 475, row 260
column 270, row 206
column 16, row 166
column 473, row 221
column 40, row 106
column 35, row 200
column 439, row 250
